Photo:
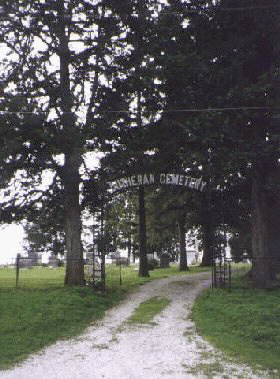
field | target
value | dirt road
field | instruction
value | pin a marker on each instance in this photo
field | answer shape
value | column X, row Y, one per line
column 113, row 349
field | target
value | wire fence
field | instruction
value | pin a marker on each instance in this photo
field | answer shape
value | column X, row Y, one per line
column 27, row 273
column 24, row 272
column 224, row 269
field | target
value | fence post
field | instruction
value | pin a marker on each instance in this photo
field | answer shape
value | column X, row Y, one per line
column 229, row 272
column 120, row 273
column 17, row 269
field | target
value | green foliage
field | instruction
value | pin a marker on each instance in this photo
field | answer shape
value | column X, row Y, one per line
column 154, row 61
column 244, row 323
column 121, row 226
column 54, row 123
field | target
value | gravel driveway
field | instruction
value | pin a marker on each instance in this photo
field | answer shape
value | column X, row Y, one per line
column 113, row 349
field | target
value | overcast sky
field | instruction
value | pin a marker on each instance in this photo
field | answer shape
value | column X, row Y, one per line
column 11, row 242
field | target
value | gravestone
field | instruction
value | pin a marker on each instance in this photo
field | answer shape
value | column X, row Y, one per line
column 53, row 261
column 164, row 261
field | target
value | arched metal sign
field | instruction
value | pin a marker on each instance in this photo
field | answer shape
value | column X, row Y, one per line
column 139, row 181
column 148, row 179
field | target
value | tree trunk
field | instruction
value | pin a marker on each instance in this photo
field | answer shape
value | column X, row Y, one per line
column 274, row 236
column 183, row 263
column 74, row 258
column 261, row 263
column 207, row 241
column 143, row 260
column 71, row 177
column 129, row 246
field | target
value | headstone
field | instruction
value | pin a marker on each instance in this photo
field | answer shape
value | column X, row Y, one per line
column 164, row 261
column 53, row 261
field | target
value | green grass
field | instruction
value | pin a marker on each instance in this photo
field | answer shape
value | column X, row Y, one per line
column 37, row 277
column 33, row 318
column 147, row 310
column 244, row 323
column 42, row 311
column 130, row 276
column 209, row 370
column 43, row 277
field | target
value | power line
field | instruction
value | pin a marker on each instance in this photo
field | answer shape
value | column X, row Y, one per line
column 201, row 109
column 248, row 8
column 11, row 96
column 198, row 110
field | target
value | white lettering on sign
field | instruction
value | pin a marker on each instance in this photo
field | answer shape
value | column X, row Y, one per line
column 145, row 179
column 140, row 180
column 187, row 179
column 181, row 180
column 152, row 178
column 203, row 184
column 168, row 179
column 197, row 183
column 175, row 179
column 162, row 178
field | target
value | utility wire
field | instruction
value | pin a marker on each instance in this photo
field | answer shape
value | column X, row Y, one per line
column 200, row 110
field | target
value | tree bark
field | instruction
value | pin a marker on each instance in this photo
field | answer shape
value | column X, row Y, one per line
column 260, row 252
column 143, row 260
column 71, row 177
column 274, row 235
column 129, row 246
column 183, row 263
column 74, row 258
column 207, row 241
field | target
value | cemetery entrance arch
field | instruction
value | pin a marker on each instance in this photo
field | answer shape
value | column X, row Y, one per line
column 139, row 181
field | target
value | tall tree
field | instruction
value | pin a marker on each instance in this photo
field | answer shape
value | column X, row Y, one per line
column 57, row 53
column 236, row 40
column 134, row 84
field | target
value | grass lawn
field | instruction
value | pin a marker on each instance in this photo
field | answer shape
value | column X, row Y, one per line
column 33, row 318
column 244, row 323
column 42, row 311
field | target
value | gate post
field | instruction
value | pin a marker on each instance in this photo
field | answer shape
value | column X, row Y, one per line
column 102, row 250
column 17, row 269
column 143, row 260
